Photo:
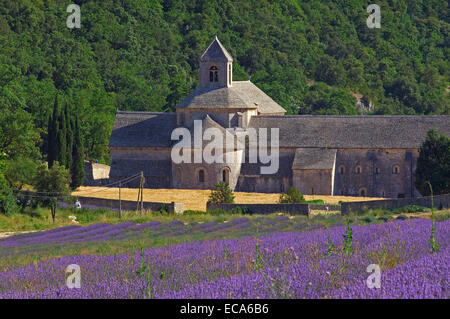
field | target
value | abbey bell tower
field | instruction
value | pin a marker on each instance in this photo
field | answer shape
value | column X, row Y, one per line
column 216, row 66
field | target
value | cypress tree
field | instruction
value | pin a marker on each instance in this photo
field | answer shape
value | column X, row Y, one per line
column 52, row 135
column 69, row 138
column 77, row 170
column 61, row 143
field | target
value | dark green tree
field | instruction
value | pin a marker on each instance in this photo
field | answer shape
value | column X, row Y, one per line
column 53, row 128
column 69, row 137
column 222, row 194
column 8, row 203
column 77, row 170
column 61, row 139
column 52, row 185
column 433, row 164
column 293, row 196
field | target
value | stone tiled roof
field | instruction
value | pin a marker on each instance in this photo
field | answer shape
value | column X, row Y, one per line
column 142, row 129
column 208, row 122
column 216, row 52
column 126, row 167
column 284, row 169
column 325, row 131
column 241, row 95
column 314, row 158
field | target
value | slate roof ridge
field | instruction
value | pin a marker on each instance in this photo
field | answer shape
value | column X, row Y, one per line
column 144, row 112
column 216, row 52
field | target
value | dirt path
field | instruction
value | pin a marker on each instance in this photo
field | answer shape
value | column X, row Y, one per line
column 196, row 199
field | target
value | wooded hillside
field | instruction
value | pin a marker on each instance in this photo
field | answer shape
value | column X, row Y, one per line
column 143, row 55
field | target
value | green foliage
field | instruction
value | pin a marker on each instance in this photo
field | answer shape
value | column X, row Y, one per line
column 143, row 56
column 433, row 164
column 52, row 185
column 348, row 240
column 411, row 209
column 315, row 202
column 433, row 241
column 258, row 262
column 222, row 194
column 330, row 246
column 7, row 200
column 442, row 217
column 77, row 158
column 293, row 196
column 20, row 172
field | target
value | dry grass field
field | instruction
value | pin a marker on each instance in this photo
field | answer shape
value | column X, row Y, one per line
column 196, row 199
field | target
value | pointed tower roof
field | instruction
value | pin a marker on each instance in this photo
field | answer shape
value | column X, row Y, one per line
column 216, row 52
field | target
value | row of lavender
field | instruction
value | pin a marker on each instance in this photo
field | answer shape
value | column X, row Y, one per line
column 101, row 232
column 281, row 265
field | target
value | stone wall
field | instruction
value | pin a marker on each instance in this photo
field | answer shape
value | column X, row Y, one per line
column 313, row 181
column 154, row 162
column 186, row 175
column 440, row 202
column 376, row 177
column 263, row 209
column 127, row 205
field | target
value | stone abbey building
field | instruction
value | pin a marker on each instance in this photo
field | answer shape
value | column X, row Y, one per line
column 323, row 155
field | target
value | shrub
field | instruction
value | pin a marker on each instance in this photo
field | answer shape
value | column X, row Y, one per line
column 222, row 194
column 193, row 212
column 217, row 212
column 315, row 201
column 368, row 219
column 293, row 196
column 401, row 217
column 8, row 204
column 239, row 210
column 412, row 209
column 384, row 218
column 442, row 217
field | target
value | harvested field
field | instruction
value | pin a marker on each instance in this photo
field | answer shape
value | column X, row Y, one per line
column 196, row 199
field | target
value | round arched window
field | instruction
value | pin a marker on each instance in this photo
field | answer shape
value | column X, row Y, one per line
column 363, row 192
column 201, row 176
column 395, row 169
column 226, row 175
column 213, row 74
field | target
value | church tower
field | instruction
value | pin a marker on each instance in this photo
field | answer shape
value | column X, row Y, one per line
column 216, row 66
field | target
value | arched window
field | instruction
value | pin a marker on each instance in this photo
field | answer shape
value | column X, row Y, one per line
column 342, row 192
column 213, row 74
column 358, row 169
column 363, row 192
column 201, row 176
column 395, row 169
column 377, row 170
column 226, row 175
column 383, row 193
column 342, row 169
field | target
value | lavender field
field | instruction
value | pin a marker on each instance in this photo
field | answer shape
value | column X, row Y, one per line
column 269, row 258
